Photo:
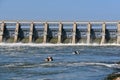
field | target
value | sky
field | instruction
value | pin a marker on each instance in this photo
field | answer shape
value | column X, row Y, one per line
column 60, row 10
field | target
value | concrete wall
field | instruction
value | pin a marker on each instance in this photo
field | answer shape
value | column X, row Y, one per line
column 31, row 34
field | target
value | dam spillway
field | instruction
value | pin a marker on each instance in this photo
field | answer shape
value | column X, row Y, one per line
column 60, row 32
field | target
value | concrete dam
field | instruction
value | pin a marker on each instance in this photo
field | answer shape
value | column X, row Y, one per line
column 60, row 32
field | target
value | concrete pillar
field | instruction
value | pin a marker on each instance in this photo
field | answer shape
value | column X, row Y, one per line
column 74, row 33
column 60, row 33
column 118, row 33
column 45, row 32
column 2, row 31
column 103, row 33
column 88, row 33
column 16, row 32
column 31, row 32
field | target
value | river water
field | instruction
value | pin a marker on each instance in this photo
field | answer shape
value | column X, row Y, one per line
column 27, row 62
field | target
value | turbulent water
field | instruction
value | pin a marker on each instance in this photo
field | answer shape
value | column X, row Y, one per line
column 27, row 62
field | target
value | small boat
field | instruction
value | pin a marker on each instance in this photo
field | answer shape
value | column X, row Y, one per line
column 49, row 59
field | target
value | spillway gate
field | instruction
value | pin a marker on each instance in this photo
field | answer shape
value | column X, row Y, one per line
column 60, row 32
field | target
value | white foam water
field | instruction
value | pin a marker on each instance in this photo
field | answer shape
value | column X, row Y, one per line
column 26, row 60
column 12, row 65
column 50, row 44
column 63, row 64
column 95, row 64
